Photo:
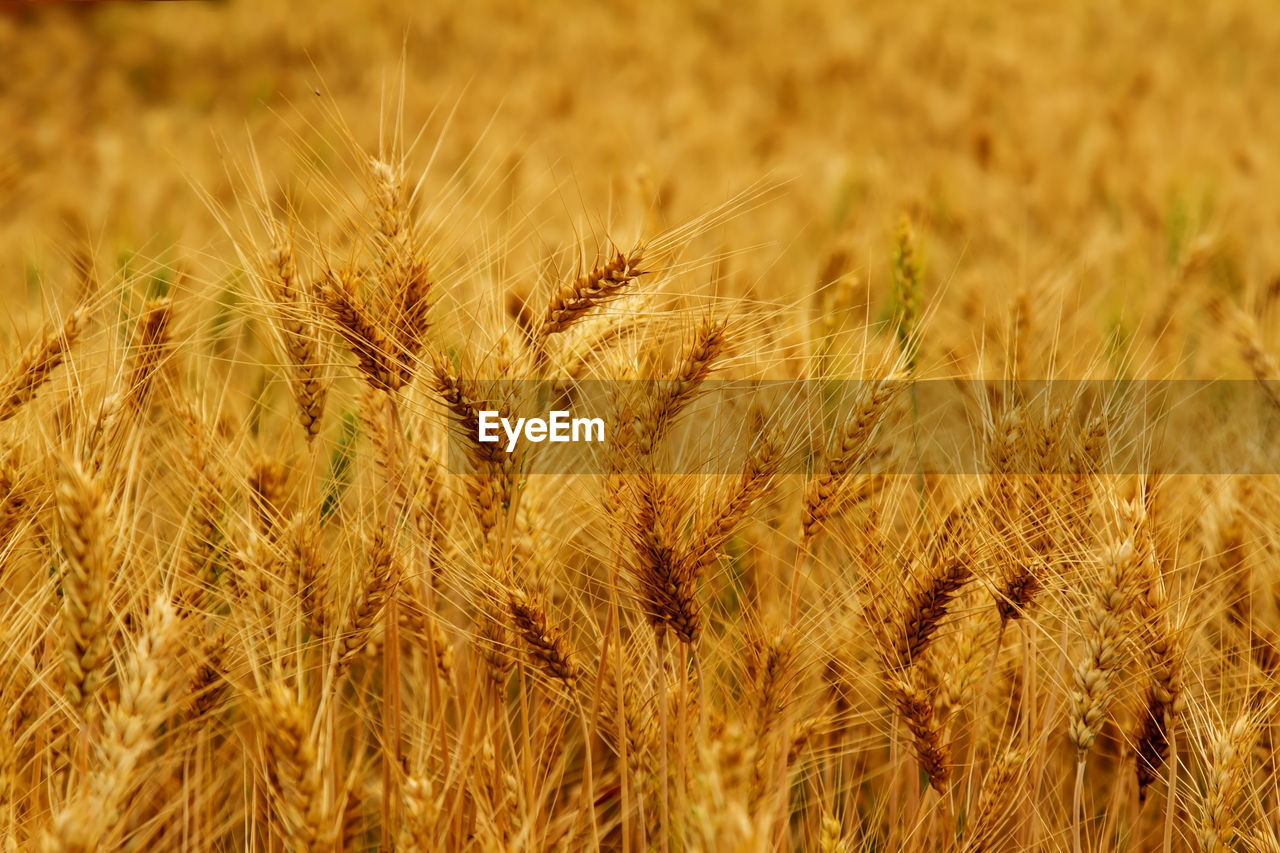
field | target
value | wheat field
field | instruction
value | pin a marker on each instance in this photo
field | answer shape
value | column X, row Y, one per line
column 934, row 350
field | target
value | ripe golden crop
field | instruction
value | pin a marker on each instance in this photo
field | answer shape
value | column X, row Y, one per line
column 924, row 356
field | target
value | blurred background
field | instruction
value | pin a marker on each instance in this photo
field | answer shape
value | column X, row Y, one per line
column 1090, row 156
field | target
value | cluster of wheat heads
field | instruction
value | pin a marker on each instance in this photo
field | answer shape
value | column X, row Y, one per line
column 329, row 618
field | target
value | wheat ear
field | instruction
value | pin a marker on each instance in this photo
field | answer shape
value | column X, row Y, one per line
column 1224, row 782
column 825, row 492
column 294, row 319
column 33, row 369
column 151, row 345
column 602, row 283
column 295, row 771
column 87, row 550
